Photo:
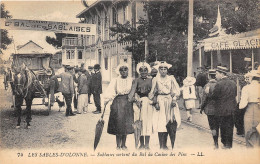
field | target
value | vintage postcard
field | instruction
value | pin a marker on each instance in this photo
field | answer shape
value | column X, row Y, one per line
column 129, row 81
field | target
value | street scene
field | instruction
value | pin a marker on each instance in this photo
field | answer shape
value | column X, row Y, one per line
column 130, row 79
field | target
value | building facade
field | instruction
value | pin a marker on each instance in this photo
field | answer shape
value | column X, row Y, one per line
column 102, row 48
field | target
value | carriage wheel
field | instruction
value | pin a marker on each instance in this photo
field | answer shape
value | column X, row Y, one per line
column 49, row 104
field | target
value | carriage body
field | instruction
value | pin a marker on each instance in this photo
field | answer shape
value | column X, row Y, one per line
column 40, row 65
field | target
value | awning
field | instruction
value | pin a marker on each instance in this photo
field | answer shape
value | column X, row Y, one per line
column 247, row 40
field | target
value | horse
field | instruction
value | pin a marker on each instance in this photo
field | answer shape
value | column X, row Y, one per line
column 25, row 86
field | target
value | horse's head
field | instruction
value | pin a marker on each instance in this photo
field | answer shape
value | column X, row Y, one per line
column 19, row 83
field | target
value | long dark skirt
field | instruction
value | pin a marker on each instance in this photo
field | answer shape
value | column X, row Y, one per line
column 121, row 116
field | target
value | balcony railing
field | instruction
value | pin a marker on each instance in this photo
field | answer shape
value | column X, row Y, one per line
column 72, row 41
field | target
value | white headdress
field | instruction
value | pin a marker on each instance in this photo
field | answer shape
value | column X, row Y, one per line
column 143, row 64
column 124, row 64
column 163, row 64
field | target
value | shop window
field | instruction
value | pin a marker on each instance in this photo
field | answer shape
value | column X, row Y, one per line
column 68, row 54
column 79, row 54
column 124, row 13
column 114, row 16
column 106, row 63
column 72, row 56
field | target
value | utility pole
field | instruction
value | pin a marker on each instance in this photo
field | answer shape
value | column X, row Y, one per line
column 190, row 39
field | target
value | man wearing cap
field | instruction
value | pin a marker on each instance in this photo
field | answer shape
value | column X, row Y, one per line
column 96, row 85
column 83, row 91
column 66, row 87
column 208, row 105
column 250, row 100
column 224, row 95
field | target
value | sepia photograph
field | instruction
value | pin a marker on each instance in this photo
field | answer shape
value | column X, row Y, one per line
column 130, row 81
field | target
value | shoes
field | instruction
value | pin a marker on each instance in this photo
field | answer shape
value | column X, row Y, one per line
column 17, row 127
column 241, row 134
column 165, row 148
column 78, row 113
column 84, row 112
column 123, row 147
column 118, row 148
column 141, row 147
column 97, row 112
column 146, row 148
column 71, row 114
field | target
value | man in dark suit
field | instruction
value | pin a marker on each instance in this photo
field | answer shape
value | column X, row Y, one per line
column 67, row 88
column 201, row 81
column 90, row 72
column 96, row 85
column 224, row 95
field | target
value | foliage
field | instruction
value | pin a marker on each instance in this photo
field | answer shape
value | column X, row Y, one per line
column 168, row 25
column 5, row 40
column 127, row 33
column 57, row 41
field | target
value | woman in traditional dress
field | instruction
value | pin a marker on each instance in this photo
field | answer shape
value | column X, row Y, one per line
column 121, row 113
column 250, row 100
column 167, row 90
column 142, row 86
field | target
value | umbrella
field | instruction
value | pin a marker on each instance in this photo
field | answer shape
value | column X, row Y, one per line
column 137, row 125
column 171, row 129
column 99, row 129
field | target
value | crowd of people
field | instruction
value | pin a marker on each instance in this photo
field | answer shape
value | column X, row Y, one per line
column 77, row 85
column 152, row 98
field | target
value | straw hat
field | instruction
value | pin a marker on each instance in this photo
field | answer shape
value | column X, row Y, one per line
column 212, row 71
column 222, row 69
column 124, row 64
column 189, row 81
column 143, row 65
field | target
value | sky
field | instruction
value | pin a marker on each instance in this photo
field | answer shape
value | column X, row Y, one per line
column 58, row 10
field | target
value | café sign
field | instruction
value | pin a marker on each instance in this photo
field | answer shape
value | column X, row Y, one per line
column 240, row 43
column 58, row 27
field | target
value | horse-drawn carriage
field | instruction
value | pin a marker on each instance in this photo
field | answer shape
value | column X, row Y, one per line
column 31, row 79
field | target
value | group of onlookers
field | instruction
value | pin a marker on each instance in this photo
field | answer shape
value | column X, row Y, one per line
column 77, row 85
column 220, row 103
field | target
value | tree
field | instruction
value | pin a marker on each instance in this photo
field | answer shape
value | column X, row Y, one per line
column 57, row 41
column 168, row 25
column 126, row 33
column 5, row 40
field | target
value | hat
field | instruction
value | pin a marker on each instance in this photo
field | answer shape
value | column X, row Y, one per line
column 212, row 71
column 96, row 66
column 124, row 64
column 90, row 67
column 77, row 69
column 83, row 70
column 65, row 65
column 222, row 69
column 69, row 67
column 163, row 64
column 189, row 81
column 143, row 65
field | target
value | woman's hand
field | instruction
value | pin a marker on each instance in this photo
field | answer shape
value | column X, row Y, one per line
column 173, row 104
column 139, row 104
column 106, row 102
